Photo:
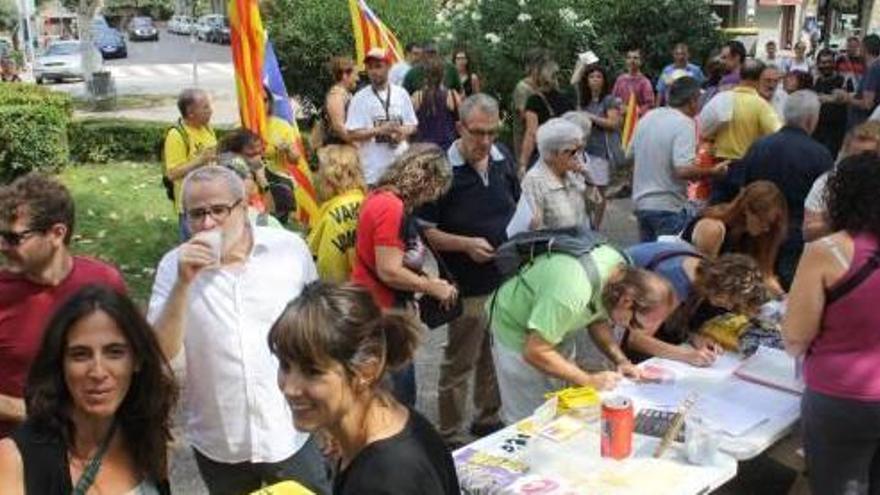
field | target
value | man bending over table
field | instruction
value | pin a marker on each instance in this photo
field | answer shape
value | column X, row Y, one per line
column 535, row 316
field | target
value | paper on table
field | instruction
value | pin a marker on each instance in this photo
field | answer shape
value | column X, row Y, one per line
column 773, row 368
column 522, row 218
column 727, row 415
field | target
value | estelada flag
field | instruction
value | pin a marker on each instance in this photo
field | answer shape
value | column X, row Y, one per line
column 370, row 32
column 630, row 119
column 256, row 68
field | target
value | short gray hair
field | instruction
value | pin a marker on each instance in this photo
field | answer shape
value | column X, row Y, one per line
column 556, row 134
column 582, row 120
column 801, row 106
column 187, row 97
column 480, row 102
column 211, row 173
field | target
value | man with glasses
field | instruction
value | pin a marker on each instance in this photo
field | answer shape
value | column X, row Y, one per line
column 37, row 275
column 537, row 315
column 215, row 297
column 664, row 148
column 465, row 226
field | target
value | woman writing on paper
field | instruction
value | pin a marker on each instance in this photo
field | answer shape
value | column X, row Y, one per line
column 832, row 321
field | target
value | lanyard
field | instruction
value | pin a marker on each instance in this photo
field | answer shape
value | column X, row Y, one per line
column 386, row 105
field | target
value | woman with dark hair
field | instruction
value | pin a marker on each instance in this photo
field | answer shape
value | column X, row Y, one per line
column 470, row 82
column 99, row 398
column 436, row 107
column 832, row 322
column 754, row 223
column 797, row 80
column 389, row 251
column 334, row 345
column 603, row 144
column 545, row 103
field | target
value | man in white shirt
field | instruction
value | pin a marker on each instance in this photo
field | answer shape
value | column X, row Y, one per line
column 216, row 297
column 412, row 55
column 380, row 118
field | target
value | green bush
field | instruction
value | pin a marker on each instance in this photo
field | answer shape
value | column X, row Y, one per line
column 106, row 140
column 32, row 137
column 113, row 140
column 31, row 94
column 306, row 41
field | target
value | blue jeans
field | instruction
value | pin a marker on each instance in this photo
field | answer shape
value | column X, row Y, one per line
column 654, row 223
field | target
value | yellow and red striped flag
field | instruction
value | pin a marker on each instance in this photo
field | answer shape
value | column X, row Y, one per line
column 257, row 70
column 370, row 32
column 630, row 119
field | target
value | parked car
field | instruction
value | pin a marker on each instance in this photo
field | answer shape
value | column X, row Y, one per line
column 142, row 28
column 220, row 33
column 180, row 24
column 110, row 43
column 206, row 23
column 62, row 60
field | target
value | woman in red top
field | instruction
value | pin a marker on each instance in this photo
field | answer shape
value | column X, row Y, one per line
column 389, row 250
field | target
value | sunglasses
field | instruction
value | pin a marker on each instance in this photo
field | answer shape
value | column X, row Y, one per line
column 481, row 133
column 14, row 239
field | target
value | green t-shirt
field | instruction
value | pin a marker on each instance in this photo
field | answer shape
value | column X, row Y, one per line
column 551, row 297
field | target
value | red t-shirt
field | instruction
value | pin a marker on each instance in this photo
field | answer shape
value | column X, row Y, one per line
column 379, row 224
column 25, row 309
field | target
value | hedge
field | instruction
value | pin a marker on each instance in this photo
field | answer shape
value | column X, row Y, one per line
column 106, row 140
column 31, row 94
column 32, row 137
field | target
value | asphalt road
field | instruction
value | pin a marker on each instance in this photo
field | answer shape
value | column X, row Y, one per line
column 172, row 49
column 164, row 67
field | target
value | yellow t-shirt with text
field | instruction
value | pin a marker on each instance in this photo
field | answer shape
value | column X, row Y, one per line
column 177, row 152
column 332, row 238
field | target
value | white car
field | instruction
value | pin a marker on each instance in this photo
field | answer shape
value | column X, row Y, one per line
column 63, row 60
column 180, row 24
column 206, row 24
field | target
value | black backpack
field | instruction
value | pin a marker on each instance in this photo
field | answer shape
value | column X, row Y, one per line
column 523, row 249
column 167, row 183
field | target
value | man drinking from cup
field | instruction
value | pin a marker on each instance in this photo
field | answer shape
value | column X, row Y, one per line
column 216, row 296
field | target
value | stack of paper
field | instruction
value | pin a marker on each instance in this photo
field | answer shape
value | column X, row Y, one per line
column 773, row 368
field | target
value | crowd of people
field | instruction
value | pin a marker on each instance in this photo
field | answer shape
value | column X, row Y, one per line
column 751, row 184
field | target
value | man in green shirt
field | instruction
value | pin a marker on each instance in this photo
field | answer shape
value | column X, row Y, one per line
column 536, row 315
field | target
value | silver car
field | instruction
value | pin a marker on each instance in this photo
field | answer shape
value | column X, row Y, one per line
column 63, row 60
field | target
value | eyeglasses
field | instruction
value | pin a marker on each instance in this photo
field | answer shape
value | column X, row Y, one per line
column 14, row 239
column 217, row 212
column 482, row 133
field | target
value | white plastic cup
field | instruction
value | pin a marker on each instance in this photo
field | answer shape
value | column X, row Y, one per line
column 214, row 239
column 701, row 441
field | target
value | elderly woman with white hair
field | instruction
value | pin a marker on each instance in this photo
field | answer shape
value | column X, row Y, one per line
column 556, row 187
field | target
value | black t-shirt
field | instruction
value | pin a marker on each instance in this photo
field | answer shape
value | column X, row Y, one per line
column 553, row 104
column 412, row 462
column 832, row 117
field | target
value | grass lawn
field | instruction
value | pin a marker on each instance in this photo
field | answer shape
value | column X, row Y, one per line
column 123, row 217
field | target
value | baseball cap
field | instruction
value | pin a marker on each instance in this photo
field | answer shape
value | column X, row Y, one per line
column 377, row 53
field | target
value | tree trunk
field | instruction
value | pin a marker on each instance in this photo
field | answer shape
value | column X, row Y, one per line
column 90, row 57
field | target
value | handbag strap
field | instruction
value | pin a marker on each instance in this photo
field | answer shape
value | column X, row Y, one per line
column 837, row 292
column 441, row 265
column 90, row 473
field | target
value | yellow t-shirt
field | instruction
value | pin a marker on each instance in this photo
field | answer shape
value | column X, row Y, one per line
column 333, row 236
column 753, row 118
column 177, row 152
column 278, row 131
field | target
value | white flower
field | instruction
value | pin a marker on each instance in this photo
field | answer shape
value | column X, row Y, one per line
column 586, row 23
column 568, row 15
column 476, row 17
column 441, row 16
column 522, row 3
column 493, row 38
column 448, row 36
column 524, row 17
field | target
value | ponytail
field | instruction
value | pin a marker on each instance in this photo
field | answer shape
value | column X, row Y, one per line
column 401, row 330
